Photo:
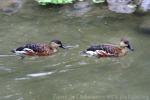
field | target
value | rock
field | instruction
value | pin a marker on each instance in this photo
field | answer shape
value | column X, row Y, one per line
column 78, row 9
column 121, row 2
column 81, row 5
column 145, row 5
column 121, row 6
column 137, row 2
column 10, row 6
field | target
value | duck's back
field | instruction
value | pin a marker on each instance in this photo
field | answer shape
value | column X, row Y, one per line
column 36, row 47
column 40, row 49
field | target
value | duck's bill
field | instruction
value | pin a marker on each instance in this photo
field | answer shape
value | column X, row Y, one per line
column 62, row 46
column 130, row 47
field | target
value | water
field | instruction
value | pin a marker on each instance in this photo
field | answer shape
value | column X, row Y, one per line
column 67, row 75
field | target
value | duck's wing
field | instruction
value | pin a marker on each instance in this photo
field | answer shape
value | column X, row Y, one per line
column 106, row 49
column 36, row 47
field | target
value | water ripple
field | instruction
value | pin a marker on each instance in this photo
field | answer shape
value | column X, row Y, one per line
column 3, row 68
column 22, row 78
column 82, row 63
column 40, row 74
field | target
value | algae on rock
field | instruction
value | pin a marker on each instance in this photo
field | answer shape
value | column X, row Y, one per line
column 45, row 2
column 98, row 1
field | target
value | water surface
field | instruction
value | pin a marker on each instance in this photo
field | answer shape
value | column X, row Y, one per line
column 67, row 75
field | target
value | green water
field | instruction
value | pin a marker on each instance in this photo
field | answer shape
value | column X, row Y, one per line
column 67, row 75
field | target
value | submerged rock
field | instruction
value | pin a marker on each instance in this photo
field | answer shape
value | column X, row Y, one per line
column 78, row 9
column 10, row 6
column 81, row 5
column 121, row 6
column 121, row 2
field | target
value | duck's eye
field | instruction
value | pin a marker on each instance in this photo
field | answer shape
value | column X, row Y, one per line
column 126, row 42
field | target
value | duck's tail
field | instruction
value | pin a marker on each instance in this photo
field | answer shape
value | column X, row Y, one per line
column 19, row 50
column 17, row 53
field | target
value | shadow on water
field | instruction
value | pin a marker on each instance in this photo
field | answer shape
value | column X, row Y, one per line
column 67, row 74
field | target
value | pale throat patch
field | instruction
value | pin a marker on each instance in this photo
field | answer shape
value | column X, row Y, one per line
column 122, row 44
column 55, row 50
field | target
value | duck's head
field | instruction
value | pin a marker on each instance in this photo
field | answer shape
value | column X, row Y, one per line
column 56, row 44
column 125, row 43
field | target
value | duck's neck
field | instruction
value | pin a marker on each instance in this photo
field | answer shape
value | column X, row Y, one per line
column 54, row 49
column 124, row 50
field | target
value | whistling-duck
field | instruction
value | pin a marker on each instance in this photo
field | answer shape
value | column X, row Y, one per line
column 109, row 50
column 38, row 49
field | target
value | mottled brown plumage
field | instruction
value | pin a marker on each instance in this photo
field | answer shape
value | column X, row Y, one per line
column 38, row 49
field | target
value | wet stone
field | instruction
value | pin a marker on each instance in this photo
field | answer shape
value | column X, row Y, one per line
column 145, row 5
column 81, row 5
column 10, row 6
column 121, row 6
column 78, row 9
column 121, row 2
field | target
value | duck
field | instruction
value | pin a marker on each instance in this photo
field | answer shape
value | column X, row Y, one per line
column 109, row 50
column 38, row 49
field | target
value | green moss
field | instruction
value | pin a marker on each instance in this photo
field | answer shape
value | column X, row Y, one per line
column 98, row 1
column 45, row 2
